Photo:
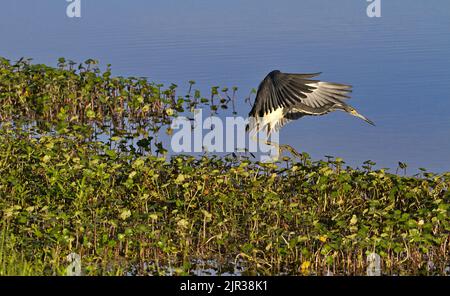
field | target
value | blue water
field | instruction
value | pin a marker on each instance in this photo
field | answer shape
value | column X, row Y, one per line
column 399, row 64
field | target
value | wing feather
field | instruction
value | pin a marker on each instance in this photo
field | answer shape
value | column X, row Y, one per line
column 287, row 90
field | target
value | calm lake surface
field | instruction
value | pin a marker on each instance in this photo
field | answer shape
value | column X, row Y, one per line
column 399, row 64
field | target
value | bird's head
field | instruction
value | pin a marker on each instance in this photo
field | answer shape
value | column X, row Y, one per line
column 355, row 113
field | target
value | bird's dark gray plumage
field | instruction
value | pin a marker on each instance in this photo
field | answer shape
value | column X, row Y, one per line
column 282, row 97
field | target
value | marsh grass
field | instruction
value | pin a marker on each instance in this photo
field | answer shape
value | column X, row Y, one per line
column 131, row 211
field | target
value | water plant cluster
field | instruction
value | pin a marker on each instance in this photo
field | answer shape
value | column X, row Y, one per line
column 129, row 113
column 64, row 189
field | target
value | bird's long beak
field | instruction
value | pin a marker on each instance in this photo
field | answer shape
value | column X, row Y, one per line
column 355, row 113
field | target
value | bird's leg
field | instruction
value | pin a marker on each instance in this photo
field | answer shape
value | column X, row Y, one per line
column 280, row 147
column 292, row 151
column 285, row 147
column 256, row 139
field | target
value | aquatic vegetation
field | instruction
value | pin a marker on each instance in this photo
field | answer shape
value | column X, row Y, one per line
column 120, row 110
column 64, row 190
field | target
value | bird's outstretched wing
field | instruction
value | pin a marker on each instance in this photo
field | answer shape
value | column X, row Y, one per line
column 285, row 90
column 283, row 97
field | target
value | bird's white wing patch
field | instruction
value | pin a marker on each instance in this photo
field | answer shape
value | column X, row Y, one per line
column 271, row 121
column 273, row 117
